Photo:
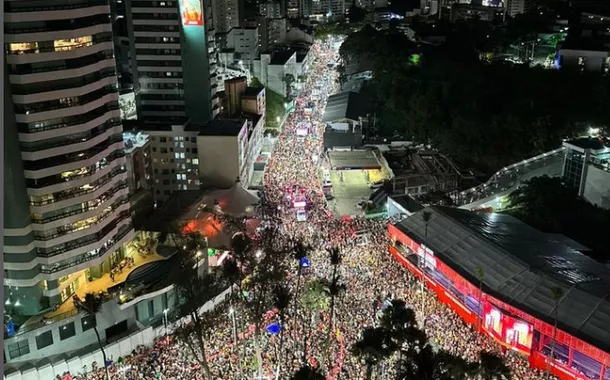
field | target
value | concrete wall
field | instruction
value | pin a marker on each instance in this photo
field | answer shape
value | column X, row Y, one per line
column 219, row 160
column 114, row 350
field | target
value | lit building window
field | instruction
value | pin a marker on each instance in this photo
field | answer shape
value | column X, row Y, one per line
column 72, row 43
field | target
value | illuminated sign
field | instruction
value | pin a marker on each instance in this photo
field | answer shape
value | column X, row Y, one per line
column 127, row 105
column 190, row 11
column 509, row 331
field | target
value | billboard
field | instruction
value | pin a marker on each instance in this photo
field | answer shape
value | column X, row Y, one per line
column 191, row 13
column 510, row 332
column 127, row 105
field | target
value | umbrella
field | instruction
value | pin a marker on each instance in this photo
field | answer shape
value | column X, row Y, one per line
column 273, row 328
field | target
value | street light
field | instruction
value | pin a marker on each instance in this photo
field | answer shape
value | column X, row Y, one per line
column 278, row 119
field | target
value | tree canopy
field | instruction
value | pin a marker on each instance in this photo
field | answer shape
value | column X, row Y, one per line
column 486, row 115
column 549, row 205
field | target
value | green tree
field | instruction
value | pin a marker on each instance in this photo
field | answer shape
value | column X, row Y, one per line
column 373, row 347
column 90, row 306
column 289, row 80
column 492, row 367
column 315, row 298
column 281, row 300
column 194, row 287
column 308, row 373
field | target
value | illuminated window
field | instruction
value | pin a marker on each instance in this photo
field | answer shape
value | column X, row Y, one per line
column 20, row 48
column 195, row 161
column 72, row 43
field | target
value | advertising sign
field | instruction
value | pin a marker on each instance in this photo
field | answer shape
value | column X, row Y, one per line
column 190, row 11
column 127, row 105
column 510, row 332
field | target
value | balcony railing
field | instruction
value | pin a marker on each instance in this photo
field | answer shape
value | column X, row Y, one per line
column 68, row 64
column 64, row 84
column 87, row 257
column 74, row 120
column 71, row 139
column 54, row 105
column 83, row 210
column 12, row 8
column 72, row 158
column 53, row 49
column 56, row 179
column 81, row 242
column 46, row 321
column 72, row 193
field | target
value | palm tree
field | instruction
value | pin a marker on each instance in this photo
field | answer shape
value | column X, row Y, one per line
column 492, row 367
column 308, row 373
column 557, row 295
column 281, row 300
column 315, row 298
column 335, row 260
column 426, row 216
column 481, row 277
column 288, row 79
column 373, row 347
column 90, row 306
column 299, row 252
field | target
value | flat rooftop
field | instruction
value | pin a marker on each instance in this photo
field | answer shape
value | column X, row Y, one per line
column 281, row 57
column 346, row 105
column 354, row 159
column 595, row 144
column 222, row 127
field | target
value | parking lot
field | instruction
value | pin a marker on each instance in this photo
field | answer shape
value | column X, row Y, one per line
column 348, row 191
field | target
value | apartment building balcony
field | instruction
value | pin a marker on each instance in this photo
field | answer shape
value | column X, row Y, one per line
column 106, row 279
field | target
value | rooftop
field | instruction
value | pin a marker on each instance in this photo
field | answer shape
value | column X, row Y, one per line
column 222, row 127
column 345, row 105
column 281, row 57
column 521, row 266
column 134, row 140
column 408, row 203
column 252, row 91
column 355, row 159
column 597, row 145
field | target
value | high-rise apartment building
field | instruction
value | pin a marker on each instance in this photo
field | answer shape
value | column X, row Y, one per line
column 227, row 14
column 515, row 7
column 334, row 8
column 66, row 194
column 271, row 9
column 293, row 9
column 175, row 59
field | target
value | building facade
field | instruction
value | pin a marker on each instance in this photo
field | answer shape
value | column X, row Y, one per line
column 175, row 159
column 175, row 60
column 586, row 168
column 67, row 213
column 227, row 14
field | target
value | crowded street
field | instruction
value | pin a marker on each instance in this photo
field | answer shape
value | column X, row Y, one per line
column 367, row 271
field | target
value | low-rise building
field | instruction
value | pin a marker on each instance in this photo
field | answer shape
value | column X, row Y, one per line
column 586, row 167
column 344, row 116
column 272, row 32
column 229, row 149
column 277, row 70
column 419, row 171
column 238, row 47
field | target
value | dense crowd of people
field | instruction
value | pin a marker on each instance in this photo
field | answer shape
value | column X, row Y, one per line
column 366, row 269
